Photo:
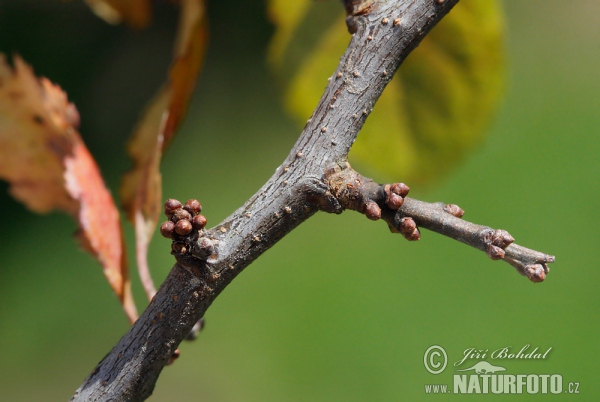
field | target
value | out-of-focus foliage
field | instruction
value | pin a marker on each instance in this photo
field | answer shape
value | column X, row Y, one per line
column 141, row 190
column 436, row 108
column 136, row 13
column 48, row 166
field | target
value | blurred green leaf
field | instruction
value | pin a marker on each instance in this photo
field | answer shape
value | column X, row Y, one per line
column 436, row 108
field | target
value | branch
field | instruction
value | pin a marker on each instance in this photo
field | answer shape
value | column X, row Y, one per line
column 404, row 215
column 497, row 244
column 208, row 260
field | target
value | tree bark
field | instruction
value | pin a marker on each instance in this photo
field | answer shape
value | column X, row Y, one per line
column 207, row 261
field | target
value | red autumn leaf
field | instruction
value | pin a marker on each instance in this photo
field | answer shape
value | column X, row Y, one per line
column 141, row 191
column 48, row 167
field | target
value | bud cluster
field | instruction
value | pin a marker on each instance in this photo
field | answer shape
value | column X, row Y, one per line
column 182, row 218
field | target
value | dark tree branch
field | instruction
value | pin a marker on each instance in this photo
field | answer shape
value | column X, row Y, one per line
column 208, row 260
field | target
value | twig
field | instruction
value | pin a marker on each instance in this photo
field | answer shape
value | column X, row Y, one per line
column 497, row 244
column 141, row 235
column 404, row 215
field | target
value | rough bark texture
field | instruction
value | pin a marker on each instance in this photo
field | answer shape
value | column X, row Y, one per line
column 298, row 189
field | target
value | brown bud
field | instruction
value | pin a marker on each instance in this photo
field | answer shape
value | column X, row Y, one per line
column 407, row 225
column 372, row 211
column 173, row 357
column 413, row 236
column 183, row 227
column 193, row 207
column 502, row 238
column 181, row 214
column 409, row 229
column 535, row 272
column 171, row 205
column 167, row 228
column 394, row 201
column 400, row 188
column 455, row 210
column 495, row 252
column 199, row 222
column 205, row 248
column 546, row 268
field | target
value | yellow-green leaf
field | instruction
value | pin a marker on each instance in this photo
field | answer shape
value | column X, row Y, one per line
column 436, row 108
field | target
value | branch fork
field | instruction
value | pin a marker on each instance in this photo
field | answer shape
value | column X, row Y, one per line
column 315, row 176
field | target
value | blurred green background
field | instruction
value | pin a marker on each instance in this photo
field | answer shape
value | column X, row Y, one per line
column 316, row 317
